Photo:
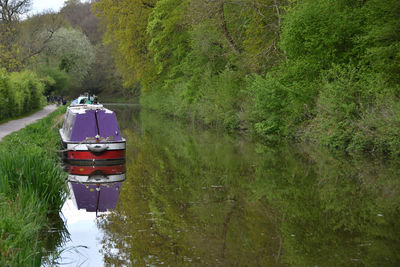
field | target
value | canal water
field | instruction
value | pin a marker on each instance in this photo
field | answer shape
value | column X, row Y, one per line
column 200, row 197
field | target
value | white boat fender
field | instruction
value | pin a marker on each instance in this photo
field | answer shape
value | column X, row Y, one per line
column 97, row 148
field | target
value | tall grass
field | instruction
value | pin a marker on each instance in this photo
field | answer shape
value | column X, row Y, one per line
column 32, row 187
column 31, row 169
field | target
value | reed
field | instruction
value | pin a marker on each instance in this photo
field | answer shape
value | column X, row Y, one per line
column 32, row 187
column 20, row 223
column 32, row 169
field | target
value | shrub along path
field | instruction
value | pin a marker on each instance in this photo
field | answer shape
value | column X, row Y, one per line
column 15, row 125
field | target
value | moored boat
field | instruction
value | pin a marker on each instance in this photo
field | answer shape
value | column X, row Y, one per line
column 90, row 133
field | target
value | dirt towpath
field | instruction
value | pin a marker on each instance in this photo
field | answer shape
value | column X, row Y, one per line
column 15, row 125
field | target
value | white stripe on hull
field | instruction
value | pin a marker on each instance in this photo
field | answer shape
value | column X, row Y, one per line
column 98, row 179
column 83, row 147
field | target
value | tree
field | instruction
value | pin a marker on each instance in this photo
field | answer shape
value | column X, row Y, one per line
column 105, row 79
column 79, row 15
column 10, row 12
column 71, row 51
column 55, row 80
column 35, row 34
column 125, row 31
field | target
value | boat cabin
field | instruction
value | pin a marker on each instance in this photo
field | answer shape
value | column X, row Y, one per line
column 90, row 133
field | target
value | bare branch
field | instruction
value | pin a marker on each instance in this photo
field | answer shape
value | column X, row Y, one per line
column 11, row 10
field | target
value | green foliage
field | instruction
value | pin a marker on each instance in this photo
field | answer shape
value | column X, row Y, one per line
column 29, row 86
column 29, row 191
column 126, row 24
column 71, row 51
column 262, row 29
column 283, row 99
column 20, row 221
column 347, row 93
column 39, row 180
column 10, row 49
column 342, row 66
column 269, row 99
column 55, row 80
column 381, row 39
column 322, row 32
column 168, row 33
column 5, row 95
column 226, row 94
column 311, row 69
column 20, row 93
column 190, row 53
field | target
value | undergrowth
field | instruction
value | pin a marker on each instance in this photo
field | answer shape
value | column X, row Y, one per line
column 32, row 188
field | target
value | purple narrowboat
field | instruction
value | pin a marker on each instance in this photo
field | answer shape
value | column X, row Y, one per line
column 90, row 133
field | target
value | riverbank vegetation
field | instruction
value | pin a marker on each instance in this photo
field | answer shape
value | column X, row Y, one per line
column 32, row 189
column 311, row 70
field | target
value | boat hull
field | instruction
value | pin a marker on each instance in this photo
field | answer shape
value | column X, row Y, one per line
column 89, row 155
column 81, row 154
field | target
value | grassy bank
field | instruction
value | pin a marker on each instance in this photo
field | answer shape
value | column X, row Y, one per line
column 32, row 187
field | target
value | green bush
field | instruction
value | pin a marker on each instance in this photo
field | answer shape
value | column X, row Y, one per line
column 322, row 31
column 5, row 95
column 28, row 87
column 339, row 78
column 283, row 99
column 55, row 80
column 20, row 93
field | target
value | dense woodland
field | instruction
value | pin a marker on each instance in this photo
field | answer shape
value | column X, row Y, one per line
column 321, row 71
column 325, row 71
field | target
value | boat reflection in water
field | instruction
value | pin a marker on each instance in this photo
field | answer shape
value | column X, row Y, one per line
column 95, row 188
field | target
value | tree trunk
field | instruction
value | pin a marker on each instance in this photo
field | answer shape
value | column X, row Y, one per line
column 225, row 29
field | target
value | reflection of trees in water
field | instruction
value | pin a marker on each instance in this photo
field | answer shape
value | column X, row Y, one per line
column 195, row 198
column 338, row 211
column 127, row 115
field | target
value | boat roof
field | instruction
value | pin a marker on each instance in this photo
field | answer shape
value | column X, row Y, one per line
column 82, row 108
column 84, row 100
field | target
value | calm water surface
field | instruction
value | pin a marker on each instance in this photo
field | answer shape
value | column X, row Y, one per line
column 196, row 197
